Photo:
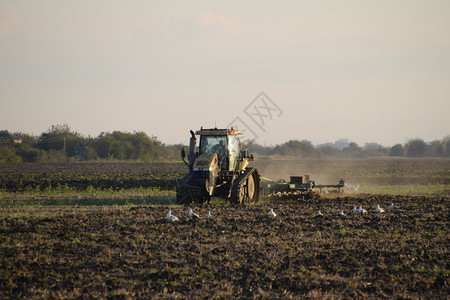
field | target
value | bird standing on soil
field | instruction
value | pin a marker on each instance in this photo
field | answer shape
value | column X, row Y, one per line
column 193, row 214
column 355, row 210
column 272, row 213
column 208, row 215
column 319, row 213
column 379, row 209
column 171, row 217
column 392, row 206
column 362, row 210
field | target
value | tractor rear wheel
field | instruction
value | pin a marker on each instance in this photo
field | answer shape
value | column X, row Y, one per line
column 250, row 190
column 246, row 188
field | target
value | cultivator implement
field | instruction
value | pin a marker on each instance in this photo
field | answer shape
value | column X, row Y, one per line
column 300, row 187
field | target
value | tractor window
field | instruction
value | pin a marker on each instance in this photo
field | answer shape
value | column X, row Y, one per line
column 233, row 146
column 214, row 144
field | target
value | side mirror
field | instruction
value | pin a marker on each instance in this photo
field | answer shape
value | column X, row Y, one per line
column 183, row 156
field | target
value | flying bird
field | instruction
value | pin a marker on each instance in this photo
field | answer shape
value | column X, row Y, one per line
column 208, row 215
column 392, row 206
column 171, row 217
column 319, row 213
column 272, row 213
column 355, row 210
column 379, row 209
column 193, row 214
column 342, row 213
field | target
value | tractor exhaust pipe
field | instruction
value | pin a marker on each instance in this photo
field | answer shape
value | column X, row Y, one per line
column 192, row 146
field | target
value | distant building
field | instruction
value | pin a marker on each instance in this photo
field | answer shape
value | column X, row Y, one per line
column 6, row 136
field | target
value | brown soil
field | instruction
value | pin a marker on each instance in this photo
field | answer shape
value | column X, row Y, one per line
column 134, row 252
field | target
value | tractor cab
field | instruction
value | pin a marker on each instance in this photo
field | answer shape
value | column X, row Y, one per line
column 223, row 142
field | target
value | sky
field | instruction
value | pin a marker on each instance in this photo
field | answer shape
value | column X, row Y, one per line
column 368, row 71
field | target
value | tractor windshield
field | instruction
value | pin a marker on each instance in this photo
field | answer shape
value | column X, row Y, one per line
column 214, row 144
column 233, row 145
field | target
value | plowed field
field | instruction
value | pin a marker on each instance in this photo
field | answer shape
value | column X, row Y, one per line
column 134, row 251
column 99, row 250
column 81, row 175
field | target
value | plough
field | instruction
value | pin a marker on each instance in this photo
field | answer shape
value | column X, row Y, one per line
column 299, row 187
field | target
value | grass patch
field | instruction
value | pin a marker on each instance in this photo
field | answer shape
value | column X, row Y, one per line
column 66, row 196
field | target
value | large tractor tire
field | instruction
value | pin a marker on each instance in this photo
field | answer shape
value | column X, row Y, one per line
column 246, row 188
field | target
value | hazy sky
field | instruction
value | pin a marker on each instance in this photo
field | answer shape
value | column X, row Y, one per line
column 369, row 71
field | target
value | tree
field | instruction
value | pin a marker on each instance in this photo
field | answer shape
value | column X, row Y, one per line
column 128, row 146
column 374, row 149
column 60, row 138
column 30, row 154
column 434, row 149
column 103, row 145
column 329, row 150
column 446, row 146
column 297, row 148
column 415, row 148
column 353, row 150
column 255, row 148
column 88, row 153
column 397, row 150
column 7, row 153
column 172, row 152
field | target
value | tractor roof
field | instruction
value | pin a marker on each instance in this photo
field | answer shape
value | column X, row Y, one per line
column 216, row 131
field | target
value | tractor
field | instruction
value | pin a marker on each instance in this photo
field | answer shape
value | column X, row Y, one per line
column 218, row 167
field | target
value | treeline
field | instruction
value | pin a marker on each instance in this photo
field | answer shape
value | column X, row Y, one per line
column 61, row 143
column 346, row 149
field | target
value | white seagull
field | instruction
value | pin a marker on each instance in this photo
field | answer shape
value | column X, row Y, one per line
column 342, row 213
column 171, row 217
column 355, row 210
column 379, row 209
column 193, row 214
column 319, row 213
column 208, row 215
column 272, row 213
column 362, row 210
column 392, row 206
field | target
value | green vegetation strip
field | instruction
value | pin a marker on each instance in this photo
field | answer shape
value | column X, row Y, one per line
column 67, row 196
